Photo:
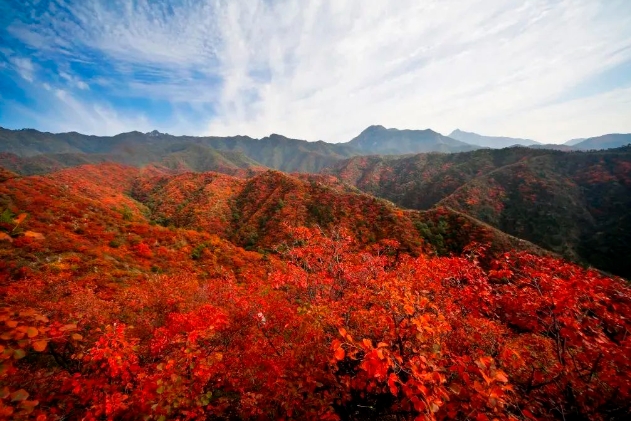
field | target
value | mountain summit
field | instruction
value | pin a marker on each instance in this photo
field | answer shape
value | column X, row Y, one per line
column 155, row 133
column 380, row 140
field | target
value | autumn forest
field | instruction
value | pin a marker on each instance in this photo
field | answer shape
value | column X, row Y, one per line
column 205, row 285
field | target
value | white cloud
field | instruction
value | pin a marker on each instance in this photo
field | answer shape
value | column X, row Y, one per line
column 336, row 68
column 74, row 81
column 326, row 69
column 161, row 38
column 96, row 118
column 24, row 67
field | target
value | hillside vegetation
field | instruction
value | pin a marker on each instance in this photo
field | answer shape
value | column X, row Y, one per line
column 34, row 152
column 140, row 294
column 575, row 204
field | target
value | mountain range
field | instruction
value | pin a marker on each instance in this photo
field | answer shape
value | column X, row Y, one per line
column 29, row 151
column 536, row 192
column 40, row 152
column 150, row 276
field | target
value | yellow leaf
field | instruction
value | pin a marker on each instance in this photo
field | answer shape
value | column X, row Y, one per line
column 32, row 332
column 380, row 354
column 28, row 406
column 39, row 346
column 20, row 218
column 486, row 378
column 77, row 337
column 501, row 377
column 34, row 235
column 455, row 388
column 19, row 395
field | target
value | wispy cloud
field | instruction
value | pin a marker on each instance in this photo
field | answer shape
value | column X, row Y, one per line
column 74, row 81
column 24, row 67
column 327, row 69
column 85, row 118
column 336, row 68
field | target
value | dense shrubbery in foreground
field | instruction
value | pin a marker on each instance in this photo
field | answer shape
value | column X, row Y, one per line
column 332, row 333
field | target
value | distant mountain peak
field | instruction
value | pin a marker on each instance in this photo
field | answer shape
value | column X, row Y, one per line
column 373, row 129
column 378, row 139
column 155, row 133
column 279, row 138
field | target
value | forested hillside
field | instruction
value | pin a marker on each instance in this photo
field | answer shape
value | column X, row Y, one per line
column 140, row 294
column 34, row 152
column 575, row 204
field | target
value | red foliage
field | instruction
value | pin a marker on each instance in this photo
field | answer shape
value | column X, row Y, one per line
column 112, row 317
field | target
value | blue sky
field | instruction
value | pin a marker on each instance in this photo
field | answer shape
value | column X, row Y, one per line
column 550, row 70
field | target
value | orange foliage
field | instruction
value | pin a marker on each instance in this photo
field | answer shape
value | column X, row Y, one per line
column 112, row 316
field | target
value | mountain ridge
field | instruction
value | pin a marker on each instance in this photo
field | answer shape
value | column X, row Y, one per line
column 377, row 139
column 607, row 141
column 573, row 203
column 28, row 151
column 490, row 141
